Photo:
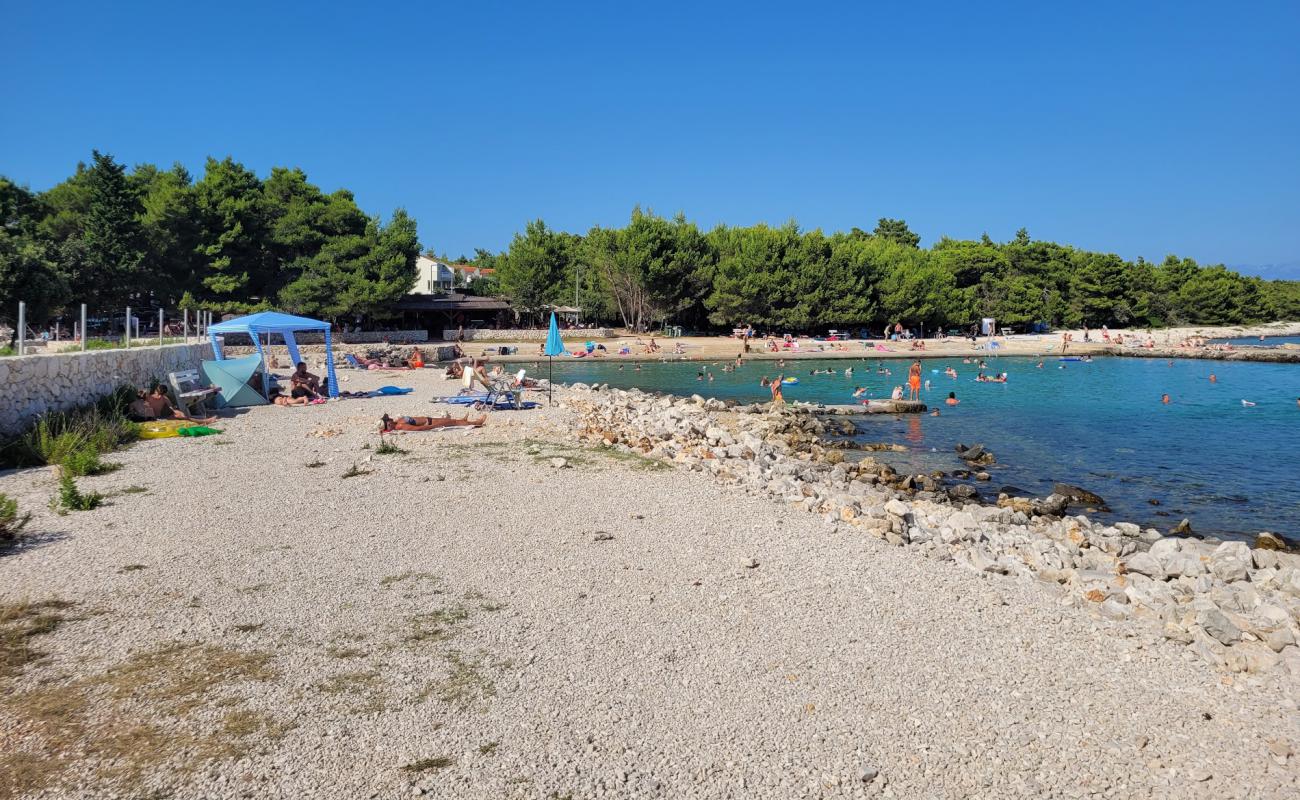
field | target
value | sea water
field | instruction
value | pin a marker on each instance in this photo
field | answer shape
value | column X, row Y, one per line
column 1232, row 469
column 1267, row 341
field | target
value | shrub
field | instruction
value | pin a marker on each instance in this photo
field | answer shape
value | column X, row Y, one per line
column 10, row 521
column 57, row 435
column 71, row 499
column 85, row 462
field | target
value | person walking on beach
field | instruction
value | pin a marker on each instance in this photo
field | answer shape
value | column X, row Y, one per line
column 914, row 381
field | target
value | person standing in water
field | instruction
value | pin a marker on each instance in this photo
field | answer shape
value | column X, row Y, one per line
column 776, row 391
column 914, row 381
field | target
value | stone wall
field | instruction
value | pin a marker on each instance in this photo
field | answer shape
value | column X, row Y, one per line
column 32, row 385
column 528, row 334
column 337, row 337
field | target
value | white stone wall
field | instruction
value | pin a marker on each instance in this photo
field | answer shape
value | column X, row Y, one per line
column 527, row 335
column 32, row 385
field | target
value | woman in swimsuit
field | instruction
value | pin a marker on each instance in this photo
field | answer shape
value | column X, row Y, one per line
column 278, row 397
column 776, row 390
column 404, row 423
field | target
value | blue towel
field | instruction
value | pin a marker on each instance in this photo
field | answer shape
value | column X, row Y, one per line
column 392, row 390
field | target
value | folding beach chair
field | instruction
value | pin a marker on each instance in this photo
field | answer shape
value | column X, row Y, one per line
column 189, row 392
column 509, row 387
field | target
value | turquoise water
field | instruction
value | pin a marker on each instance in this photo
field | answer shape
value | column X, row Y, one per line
column 1232, row 470
column 1268, row 341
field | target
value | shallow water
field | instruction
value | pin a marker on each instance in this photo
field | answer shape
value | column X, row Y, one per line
column 1232, row 470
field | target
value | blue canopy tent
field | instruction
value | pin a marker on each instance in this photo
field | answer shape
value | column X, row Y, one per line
column 265, row 323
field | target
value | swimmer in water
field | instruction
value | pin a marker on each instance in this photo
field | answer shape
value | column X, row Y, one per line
column 952, row 399
column 1213, row 378
column 1040, row 365
column 934, row 413
column 1247, row 404
column 1164, row 398
column 858, row 392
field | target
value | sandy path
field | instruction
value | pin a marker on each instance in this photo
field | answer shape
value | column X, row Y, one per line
column 462, row 602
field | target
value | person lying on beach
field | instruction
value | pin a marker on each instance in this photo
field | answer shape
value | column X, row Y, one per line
column 404, row 423
column 278, row 397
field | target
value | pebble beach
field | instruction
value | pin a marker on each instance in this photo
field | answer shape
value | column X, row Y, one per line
column 620, row 595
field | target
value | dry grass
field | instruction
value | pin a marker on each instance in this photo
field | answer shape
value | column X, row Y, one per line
column 133, row 719
column 464, row 685
column 429, row 764
column 406, row 577
column 435, row 626
column 22, row 622
column 335, row 651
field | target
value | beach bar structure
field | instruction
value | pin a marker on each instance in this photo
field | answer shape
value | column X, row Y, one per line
column 267, row 324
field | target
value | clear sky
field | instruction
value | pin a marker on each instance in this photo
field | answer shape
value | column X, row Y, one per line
column 1142, row 128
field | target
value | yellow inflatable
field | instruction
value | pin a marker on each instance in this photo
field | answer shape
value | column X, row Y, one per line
column 162, row 428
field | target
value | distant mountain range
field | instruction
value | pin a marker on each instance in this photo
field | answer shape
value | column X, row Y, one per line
column 1287, row 270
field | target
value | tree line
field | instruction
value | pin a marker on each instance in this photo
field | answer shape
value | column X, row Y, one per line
column 234, row 242
column 656, row 269
column 227, row 242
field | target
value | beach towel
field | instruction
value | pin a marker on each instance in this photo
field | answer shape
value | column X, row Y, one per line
column 390, row 390
column 196, row 430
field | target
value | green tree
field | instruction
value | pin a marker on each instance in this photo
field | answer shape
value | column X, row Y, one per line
column 110, row 270
column 896, row 230
column 533, row 269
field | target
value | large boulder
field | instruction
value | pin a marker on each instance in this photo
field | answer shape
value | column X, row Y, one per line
column 1145, row 564
column 1231, row 561
column 1215, row 623
column 1078, row 495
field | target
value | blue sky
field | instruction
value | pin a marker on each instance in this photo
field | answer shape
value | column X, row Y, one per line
column 1138, row 128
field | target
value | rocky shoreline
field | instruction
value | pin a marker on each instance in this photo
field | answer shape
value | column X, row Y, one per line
column 1235, row 607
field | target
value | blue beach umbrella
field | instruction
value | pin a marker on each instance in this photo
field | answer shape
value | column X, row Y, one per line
column 554, row 347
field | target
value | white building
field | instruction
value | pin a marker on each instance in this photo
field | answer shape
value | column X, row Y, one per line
column 433, row 276
column 439, row 277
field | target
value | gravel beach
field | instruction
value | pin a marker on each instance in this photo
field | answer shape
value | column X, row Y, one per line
column 506, row 612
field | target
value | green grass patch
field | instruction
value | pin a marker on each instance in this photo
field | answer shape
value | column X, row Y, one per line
column 11, row 522
column 57, row 436
column 70, row 498
column 387, row 448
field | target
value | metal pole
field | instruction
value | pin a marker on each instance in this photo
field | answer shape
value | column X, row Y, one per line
column 160, row 327
column 575, row 291
column 127, row 338
column 22, row 328
column 83, row 327
column 185, row 326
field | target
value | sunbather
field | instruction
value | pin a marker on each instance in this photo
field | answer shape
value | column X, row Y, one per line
column 403, row 423
column 301, row 378
column 278, row 397
column 157, row 405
